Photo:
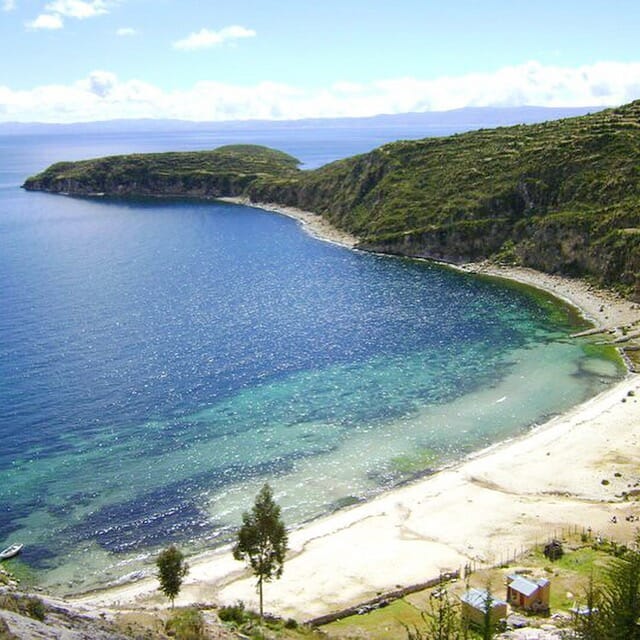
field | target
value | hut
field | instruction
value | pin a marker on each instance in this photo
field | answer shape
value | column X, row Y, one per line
column 530, row 595
column 474, row 607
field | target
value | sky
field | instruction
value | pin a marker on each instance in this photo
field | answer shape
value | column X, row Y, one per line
column 211, row 60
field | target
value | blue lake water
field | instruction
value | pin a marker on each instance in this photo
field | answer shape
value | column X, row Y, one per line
column 160, row 360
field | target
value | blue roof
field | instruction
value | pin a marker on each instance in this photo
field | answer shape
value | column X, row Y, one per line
column 524, row 586
column 477, row 598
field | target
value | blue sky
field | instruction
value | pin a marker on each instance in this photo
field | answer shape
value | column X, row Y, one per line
column 76, row 60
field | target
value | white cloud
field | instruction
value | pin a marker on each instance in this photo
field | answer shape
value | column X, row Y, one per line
column 205, row 38
column 80, row 9
column 100, row 83
column 126, row 31
column 56, row 11
column 102, row 95
column 46, row 21
column 8, row 5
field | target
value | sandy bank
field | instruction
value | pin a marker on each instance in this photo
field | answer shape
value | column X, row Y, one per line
column 483, row 510
column 312, row 223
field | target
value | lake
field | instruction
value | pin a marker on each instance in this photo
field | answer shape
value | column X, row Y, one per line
column 161, row 360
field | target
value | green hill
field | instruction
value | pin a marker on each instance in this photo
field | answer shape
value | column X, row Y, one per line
column 223, row 171
column 562, row 196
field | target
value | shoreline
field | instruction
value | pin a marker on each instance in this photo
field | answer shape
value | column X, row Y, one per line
column 312, row 223
column 479, row 510
column 606, row 310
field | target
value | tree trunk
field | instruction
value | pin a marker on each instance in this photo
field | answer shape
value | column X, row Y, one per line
column 260, row 589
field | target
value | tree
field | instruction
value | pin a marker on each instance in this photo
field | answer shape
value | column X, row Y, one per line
column 587, row 619
column 262, row 540
column 171, row 570
column 442, row 621
column 612, row 611
column 621, row 597
column 488, row 629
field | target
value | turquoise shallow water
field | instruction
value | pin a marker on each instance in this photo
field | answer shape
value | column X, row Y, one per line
column 160, row 360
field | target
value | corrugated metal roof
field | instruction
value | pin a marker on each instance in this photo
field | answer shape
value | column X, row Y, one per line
column 524, row 586
column 477, row 598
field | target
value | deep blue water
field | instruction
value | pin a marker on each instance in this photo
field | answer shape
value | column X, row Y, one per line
column 159, row 360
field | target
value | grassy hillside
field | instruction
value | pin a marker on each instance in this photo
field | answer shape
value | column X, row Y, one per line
column 563, row 196
column 223, row 171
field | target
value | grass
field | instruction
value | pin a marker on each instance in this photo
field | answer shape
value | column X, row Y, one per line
column 387, row 623
column 25, row 605
column 569, row 578
column 186, row 624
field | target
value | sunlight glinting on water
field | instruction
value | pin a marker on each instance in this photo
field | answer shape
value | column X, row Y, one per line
column 159, row 361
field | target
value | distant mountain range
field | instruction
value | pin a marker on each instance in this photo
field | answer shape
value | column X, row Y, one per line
column 462, row 119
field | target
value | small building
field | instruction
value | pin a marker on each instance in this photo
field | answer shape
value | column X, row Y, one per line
column 474, row 607
column 527, row 594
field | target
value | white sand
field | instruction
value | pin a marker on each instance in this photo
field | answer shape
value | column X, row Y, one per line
column 483, row 510
column 605, row 309
column 314, row 224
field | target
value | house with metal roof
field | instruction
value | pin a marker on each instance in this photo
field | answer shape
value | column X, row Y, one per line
column 475, row 603
column 527, row 594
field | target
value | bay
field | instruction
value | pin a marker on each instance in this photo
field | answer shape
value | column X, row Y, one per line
column 160, row 360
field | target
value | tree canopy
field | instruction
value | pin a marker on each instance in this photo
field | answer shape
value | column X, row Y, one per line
column 262, row 540
column 171, row 570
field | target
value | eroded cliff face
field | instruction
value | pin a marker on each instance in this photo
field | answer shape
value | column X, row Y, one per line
column 150, row 185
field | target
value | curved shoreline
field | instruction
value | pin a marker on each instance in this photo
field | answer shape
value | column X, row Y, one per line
column 474, row 511
column 313, row 223
column 606, row 310
column 481, row 510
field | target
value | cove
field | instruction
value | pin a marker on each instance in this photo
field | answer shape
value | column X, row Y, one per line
column 162, row 359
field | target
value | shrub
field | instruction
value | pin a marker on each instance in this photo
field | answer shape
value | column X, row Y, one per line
column 24, row 605
column 233, row 613
column 291, row 624
column 553, row 550
column 35, row 608
column 186, row 624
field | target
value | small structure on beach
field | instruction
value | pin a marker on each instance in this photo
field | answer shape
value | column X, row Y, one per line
column 530, row 595
column 475, row 603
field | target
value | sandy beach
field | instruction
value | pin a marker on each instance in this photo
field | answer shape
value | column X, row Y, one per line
column 314, row 224
column 579, row 470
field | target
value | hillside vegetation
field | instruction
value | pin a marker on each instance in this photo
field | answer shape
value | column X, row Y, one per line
column 561, row 197
column 223, row 171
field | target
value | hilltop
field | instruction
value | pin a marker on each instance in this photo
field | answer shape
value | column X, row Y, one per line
column 561, row 196
column 228, row 170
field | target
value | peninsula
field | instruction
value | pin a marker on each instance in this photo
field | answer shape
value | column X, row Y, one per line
column 560, row 197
